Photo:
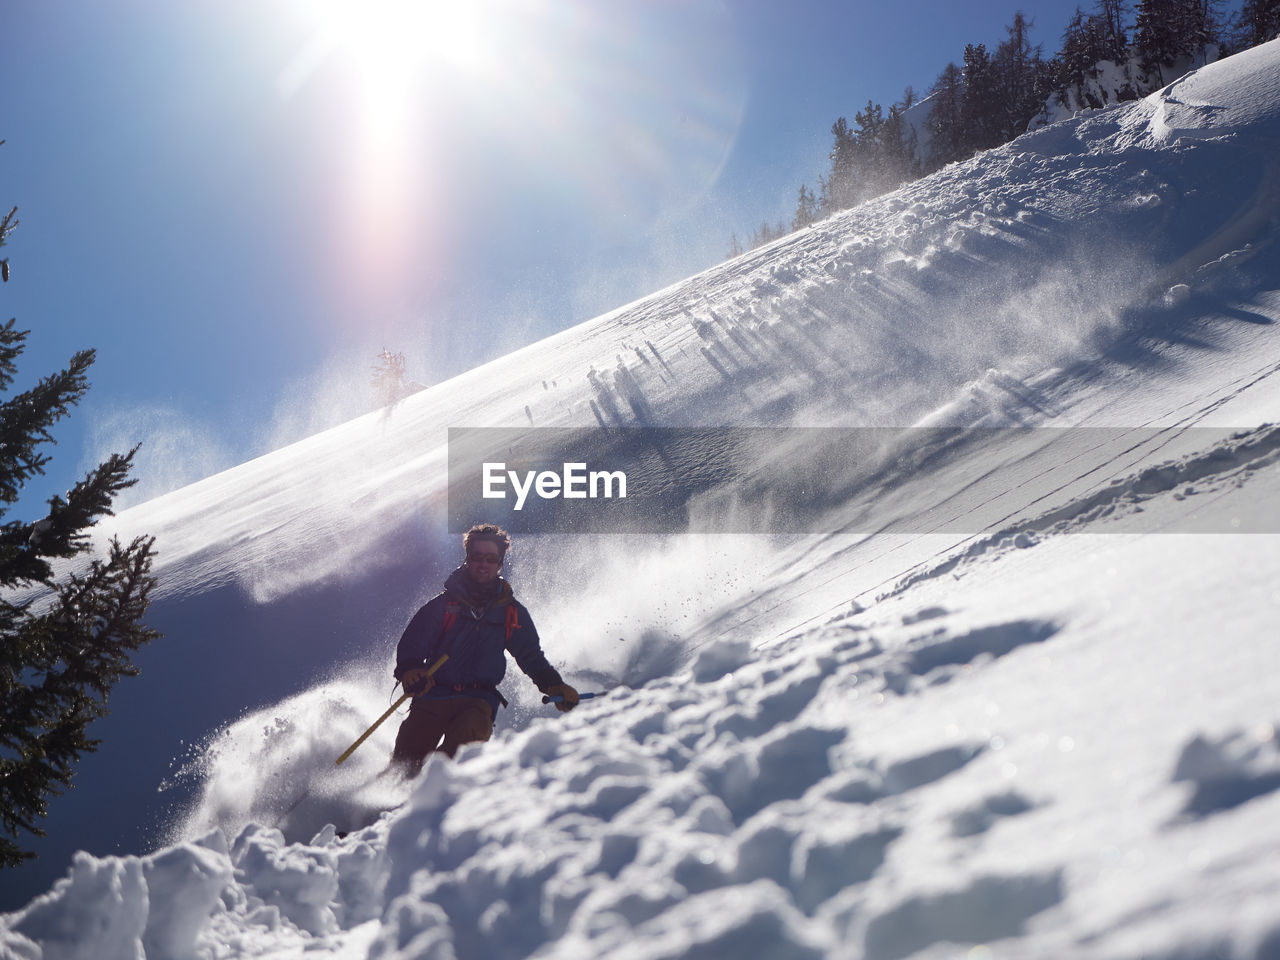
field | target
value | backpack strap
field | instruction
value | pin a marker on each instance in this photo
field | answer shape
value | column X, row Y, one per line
column 449, row 619
column 450, row 616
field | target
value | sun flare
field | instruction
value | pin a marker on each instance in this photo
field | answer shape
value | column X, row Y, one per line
column 398, row 41
column 440, row 113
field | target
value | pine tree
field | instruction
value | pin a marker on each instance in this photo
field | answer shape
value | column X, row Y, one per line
column 65, row 638
column 768, row 234
column 1259, row 22
column 1201, row 27
column 389, row 378
column 982, row 113
column 1170, row 30
column 870, row 178
column 1022, row 80
column 1087, row 41
column 866, row 161
column 1080, row 53
column 839, row 189
column 1154, row 36
column 898, row 145
column 806, row 209
column 945, row 122
column 1111, row 15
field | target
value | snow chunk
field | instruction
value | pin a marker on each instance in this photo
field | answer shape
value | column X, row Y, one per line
column 414, row 929
column 980, row 817
column 720, row 658
column 184, row 883
column 1231, row 770
column 987, row 908
column 98, row 912
column 300, row 881
column 540, row 745
column 756, row 920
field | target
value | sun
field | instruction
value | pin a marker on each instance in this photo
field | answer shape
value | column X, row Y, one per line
column 401, row 70
column 429, row 109
column 391, row 42
column 402, row 59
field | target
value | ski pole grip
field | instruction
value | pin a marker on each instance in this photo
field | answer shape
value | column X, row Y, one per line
column 438, row 664
column 581, row 696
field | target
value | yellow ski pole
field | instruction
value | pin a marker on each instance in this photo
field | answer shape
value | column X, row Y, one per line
column 390, row 710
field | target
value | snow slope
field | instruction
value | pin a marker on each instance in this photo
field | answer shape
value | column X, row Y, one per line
column 1018, row 699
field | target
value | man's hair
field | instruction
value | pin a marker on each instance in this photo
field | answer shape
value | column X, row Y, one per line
column 490, row 532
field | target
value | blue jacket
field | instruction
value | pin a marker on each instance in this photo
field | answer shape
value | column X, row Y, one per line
column 476, row 640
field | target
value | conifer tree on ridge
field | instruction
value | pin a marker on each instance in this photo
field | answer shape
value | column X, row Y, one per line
column 66, row 636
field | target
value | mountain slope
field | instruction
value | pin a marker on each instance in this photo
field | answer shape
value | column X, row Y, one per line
column 944, row 721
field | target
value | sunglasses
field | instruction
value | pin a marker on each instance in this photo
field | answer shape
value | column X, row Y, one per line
column 484, row 558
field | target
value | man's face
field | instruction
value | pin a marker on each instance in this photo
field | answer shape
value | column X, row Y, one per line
column 484, row 561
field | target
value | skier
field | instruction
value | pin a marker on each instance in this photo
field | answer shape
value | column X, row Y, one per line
column 475, row 620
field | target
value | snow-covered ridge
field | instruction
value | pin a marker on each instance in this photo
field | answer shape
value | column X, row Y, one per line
column 1023, row 258
column 1047, row 738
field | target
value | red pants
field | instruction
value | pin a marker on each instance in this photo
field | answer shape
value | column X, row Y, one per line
column 458, row 720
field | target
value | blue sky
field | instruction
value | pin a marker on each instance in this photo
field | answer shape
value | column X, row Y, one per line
column 238, row 203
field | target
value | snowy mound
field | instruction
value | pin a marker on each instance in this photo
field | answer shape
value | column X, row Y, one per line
column 1050, row 732
column 1238, row 95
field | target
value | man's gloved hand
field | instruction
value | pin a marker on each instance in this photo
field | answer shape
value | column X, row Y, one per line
column 563, row 690
column 418, row 681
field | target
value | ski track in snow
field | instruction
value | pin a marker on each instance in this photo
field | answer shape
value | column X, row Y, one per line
column 1046, row 732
